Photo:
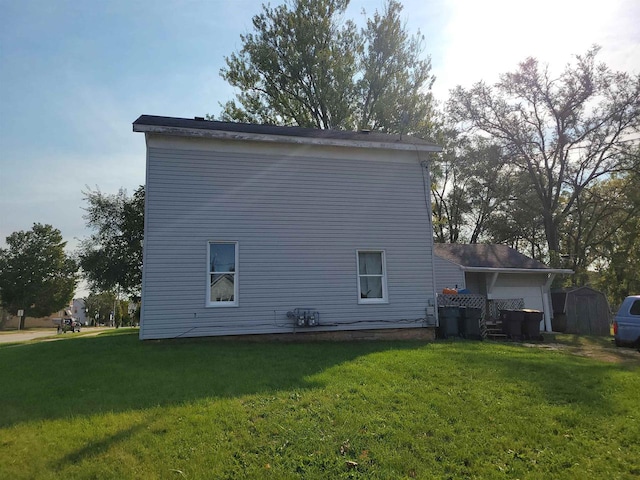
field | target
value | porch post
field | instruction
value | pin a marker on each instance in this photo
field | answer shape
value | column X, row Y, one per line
column 546, row 302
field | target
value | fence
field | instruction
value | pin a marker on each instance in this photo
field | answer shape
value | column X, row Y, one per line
column 504, row 304
column 469, row 300
column 472, row 300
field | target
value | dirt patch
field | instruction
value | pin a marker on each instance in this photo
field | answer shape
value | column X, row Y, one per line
column 591, row 347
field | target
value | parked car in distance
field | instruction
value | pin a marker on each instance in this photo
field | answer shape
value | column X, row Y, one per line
column 68, row 324
column 626, row 324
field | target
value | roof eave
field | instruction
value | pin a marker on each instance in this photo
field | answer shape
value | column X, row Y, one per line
column 257, row 137
column 563, row 271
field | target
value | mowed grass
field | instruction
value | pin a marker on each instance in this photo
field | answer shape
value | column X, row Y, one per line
column 113, row 407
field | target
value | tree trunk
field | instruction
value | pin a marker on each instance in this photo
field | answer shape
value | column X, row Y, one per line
column 21, row 325
column 553, row 242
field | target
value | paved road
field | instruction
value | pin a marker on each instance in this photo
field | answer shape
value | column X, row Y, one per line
column 25, row 336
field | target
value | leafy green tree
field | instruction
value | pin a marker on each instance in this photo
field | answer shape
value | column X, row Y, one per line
column 4, row 317
column 122, row 315
column 450, row 204
column 100, row 305
column 394, row 92
column 517, row 220
column 619, row 250
column 297, row 68
column 601, row 213
column 303, row 65
column 36, row 275
column 111, row 258
column 565, row 132
column 471, row 183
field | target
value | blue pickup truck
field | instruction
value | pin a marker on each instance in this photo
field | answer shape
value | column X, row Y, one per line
column 626, row 325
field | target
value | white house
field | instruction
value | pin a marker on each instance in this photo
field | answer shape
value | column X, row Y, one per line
column 496, row 272
column 79, row 311
column 253, row 229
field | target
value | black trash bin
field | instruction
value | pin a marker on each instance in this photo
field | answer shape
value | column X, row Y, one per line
column 559, row 322
column 448, row 317
column 470, row 322
column 531, row 324
column 512, row 322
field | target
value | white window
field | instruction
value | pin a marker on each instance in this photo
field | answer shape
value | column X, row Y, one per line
column 222, row 276
column 372, row 276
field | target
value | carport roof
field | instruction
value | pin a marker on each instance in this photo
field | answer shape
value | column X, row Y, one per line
column 486, row 258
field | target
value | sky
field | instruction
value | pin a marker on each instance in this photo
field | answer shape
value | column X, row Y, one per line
column 74, row 75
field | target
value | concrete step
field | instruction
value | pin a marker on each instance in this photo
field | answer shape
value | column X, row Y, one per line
column 497, row 336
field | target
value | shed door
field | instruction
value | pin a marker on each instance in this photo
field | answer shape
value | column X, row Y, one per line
column 586, row 314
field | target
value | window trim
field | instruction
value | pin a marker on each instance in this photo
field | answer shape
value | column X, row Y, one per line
column 385, row 293
column 208, row 302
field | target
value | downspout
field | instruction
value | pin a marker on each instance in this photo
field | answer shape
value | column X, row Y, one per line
column 426, row 180
column 546, row 302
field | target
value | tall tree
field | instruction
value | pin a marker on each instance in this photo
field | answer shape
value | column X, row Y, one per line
column 489, row 184
column 600, row 213
column 564, row 132
column 305, row 66
column 297, row 68
column 471, row 183
column 517, row 221
column 618, row 254
column 449, row 202
column 394, row 92
column 101, row 306
column 111, row 258
column 36, row 275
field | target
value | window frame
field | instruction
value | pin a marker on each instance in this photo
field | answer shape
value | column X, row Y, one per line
column 209, row 302
column 385, row 293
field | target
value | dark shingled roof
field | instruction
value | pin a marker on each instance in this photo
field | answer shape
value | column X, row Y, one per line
column 486, row 256
column 363, row 136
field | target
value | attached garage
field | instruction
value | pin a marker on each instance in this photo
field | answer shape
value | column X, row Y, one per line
column 496, row 272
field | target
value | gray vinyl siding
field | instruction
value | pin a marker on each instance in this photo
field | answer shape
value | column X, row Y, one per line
column 448, row 274
column 298, row 220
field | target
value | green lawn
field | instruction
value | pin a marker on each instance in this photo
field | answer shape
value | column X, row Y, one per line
column 113, row 407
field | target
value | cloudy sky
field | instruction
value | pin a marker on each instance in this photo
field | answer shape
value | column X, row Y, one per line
column 75, row 74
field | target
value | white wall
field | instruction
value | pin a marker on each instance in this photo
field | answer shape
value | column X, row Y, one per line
column 529, row 287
